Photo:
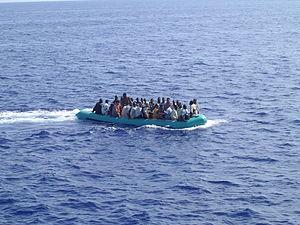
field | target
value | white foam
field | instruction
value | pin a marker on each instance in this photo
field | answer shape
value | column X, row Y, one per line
column 210, row 123
column 37, row 116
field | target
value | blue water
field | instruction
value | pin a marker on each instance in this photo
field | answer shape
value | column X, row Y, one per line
column 240, row 59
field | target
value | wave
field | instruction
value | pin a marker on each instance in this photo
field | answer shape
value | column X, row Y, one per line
column 210, row 123
column 37, row 116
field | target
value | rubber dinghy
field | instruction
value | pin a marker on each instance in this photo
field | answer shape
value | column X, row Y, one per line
column 87, row 114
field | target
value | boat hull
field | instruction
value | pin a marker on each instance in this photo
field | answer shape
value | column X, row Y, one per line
column 199, row 120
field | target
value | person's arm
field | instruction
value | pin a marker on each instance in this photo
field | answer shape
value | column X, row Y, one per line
column 94, row 109
column 198, row 108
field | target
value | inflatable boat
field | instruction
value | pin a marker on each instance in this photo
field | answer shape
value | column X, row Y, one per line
column 87, row 114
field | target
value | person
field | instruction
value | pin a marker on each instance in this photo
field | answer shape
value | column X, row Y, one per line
column 174, row 115
column 151, row 104
column 168, row 113
column 125, row 111
column 193, row 108
column 97, row 108
column 110, row 109
column 105, row 108
column 158, row 101
column 137, row 100
column 145, row 111
column 184, row 113
column 197, row 106
column 117, row 109
column 116, row 99
column 174, row 103
column 155, row 114
column 138, row 112
column 132, row 112
column 124, row 100
column 145, row 102
column 179, row 111
column 161, row 111
column 167, row 104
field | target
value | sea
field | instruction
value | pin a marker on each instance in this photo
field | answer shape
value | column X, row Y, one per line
column 240, row 59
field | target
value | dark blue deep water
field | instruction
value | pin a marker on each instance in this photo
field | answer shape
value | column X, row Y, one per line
column 240, row 59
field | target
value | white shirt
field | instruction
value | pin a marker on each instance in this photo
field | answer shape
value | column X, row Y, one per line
column 138, row 111
column 132, row 112
column 104, row 109
column 168, row 112
column 194, row 109
column 174, row 115
column 184, row 112
column 125, row 111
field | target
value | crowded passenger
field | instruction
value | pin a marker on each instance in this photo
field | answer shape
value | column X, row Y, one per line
column 163, row 108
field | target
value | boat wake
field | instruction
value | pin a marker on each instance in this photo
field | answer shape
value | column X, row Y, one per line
column 37, row 116
column 48, row 116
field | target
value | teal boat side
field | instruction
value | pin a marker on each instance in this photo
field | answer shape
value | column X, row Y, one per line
column 192, row 122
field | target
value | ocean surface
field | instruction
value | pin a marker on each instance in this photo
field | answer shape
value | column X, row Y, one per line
column 240, row 59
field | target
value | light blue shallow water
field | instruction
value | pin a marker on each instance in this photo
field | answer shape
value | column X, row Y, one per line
column 241, row 59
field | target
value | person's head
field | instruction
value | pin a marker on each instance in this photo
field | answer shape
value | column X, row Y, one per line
column 145, row 100
column 195, row 101
column 116, row 97
column 137, row 100
column 191, row 102
column 106, row 101
column 151, row 100
column 163, row 99
column 184, row 106
column 156, row 106
column 117, row 102
column 158, row 100
column 124, row 95
column 168, row 100
column 100, row 100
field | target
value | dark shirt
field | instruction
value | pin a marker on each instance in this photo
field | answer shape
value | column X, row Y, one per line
column 125, row 101
column 97, row 108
